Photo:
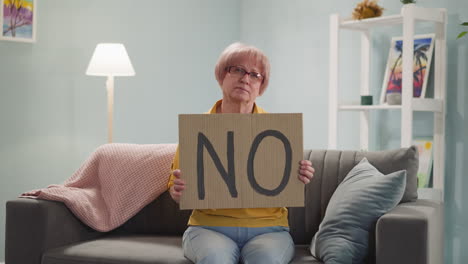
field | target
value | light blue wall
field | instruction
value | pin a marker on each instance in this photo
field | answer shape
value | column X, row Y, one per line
column 52, row 115
column 295, row 35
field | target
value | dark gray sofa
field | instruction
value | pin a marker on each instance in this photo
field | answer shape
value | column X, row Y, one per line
column 46, row 232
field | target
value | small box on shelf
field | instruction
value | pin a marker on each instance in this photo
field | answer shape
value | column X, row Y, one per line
column 366, row 99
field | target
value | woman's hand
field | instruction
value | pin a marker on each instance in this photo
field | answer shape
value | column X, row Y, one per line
column 179, row 186
column 306, row 172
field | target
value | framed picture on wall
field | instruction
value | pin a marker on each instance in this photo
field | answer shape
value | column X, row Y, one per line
column 18, row 20
column 425, row 151
column 423, row 49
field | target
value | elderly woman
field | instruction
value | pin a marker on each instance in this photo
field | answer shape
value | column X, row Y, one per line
column 250, row 235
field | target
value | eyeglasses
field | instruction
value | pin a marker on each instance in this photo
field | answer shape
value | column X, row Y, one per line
column 241, row 72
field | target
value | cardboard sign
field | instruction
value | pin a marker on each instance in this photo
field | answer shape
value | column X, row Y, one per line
column 240, row 160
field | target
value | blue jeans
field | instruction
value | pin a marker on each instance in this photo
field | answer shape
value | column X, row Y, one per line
column 219, row 244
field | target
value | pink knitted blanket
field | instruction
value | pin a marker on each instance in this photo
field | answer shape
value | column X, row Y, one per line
column 113, row 184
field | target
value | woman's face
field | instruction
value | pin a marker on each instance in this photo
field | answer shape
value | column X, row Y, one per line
column 242, row 88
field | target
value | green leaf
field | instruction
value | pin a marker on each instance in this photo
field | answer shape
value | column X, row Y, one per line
column 464, row 24
column 462, row 34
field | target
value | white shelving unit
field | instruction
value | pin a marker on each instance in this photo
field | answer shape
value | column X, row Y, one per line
column 410, row 14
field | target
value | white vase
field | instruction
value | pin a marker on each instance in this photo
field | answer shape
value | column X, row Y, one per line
column 407, row 7
column 394, row 98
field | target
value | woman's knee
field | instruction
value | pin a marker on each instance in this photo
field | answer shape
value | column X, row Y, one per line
column 213, row 255
column 269, row 248
column 206, row 246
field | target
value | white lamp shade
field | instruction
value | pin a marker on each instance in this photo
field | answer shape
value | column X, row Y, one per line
column 110, row 59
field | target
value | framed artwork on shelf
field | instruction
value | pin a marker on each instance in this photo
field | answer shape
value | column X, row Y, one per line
column 424, row 174
column 423, row 49
column 18, row 20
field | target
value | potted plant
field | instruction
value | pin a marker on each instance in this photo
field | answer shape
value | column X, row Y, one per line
column 463, row 33
column 367, row 9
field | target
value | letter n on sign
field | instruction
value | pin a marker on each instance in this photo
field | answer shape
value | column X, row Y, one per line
column 241, row 160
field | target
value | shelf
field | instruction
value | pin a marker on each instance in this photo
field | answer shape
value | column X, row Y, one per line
column 408, row 18
column 419, row 104
column 367, row 107
column 431, row 194
column 428, row 105
column 365, row 24
column 418, row 13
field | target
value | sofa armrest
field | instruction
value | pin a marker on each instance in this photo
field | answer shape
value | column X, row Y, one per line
column 34, row 226
column 411, row 233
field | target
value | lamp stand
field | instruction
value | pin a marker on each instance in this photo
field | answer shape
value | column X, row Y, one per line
column 110, row 106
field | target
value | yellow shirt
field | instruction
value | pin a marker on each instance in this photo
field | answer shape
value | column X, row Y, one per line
column 244, row 217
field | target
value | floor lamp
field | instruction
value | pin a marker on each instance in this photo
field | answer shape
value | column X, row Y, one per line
column 110, row 59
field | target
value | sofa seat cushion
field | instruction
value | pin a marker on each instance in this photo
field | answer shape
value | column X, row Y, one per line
column 303, row 256
column 128, row 249
column 137, row 249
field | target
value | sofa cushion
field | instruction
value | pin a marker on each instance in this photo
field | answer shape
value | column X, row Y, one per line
column 388, row 161
column 162, row 217
column 302, row 256
column 136, row 249
column 331, row 167
column 362, row 197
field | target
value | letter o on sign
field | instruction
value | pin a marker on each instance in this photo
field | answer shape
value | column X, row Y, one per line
column 287, row 168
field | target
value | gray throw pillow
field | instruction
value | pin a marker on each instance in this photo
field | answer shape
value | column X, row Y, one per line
column 362, row 197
